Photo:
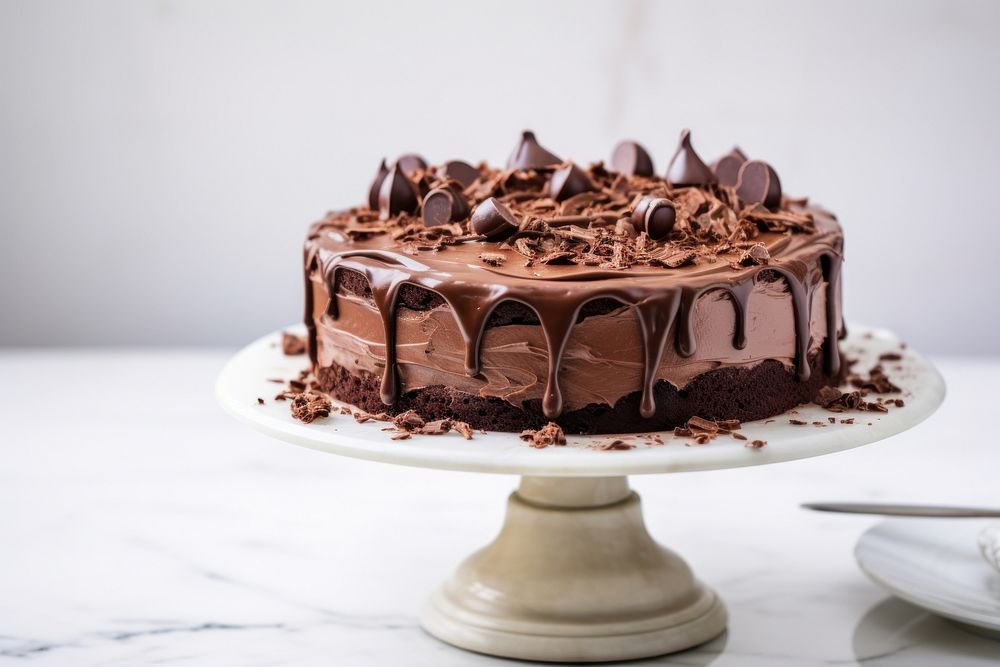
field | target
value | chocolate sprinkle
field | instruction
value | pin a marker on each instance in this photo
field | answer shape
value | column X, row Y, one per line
column 686, row 168
column 757, row 183
column 630, row 158
column 529, row 154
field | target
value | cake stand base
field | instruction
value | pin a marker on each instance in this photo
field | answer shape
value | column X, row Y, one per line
column 574, row 576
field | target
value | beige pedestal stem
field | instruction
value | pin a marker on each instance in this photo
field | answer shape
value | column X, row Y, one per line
column 573, row 576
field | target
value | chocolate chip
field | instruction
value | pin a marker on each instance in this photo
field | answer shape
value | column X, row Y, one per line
column 660, row 218
column 758, row 184
column 528, row 154
column 639, row 212
column 727, row 169
column 396, row 195
column 410, row 163
column 493, row 220
column 443, row 205
column 630, row 158
column 686, row 168
column 460, row 171
column 569, row 180
column 383, row 171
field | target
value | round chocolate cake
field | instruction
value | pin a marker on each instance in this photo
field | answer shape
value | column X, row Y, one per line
column 603, row 298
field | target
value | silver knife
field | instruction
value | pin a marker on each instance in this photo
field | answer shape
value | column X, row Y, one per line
column 905, row 510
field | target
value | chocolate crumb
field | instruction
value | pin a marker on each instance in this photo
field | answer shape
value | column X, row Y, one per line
column 402, row 435
column 890, row 356
column 292, row 345
column 309, row 406
column 492, row 258
column 738, row 436
column 798, row 422
column 260, row 401
column 615, row 445
column 826, row 396
column 756, row 444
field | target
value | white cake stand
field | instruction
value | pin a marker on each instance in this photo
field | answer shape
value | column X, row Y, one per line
column 573, row 575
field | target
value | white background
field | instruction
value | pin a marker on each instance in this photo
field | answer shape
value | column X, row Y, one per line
column 160, row 161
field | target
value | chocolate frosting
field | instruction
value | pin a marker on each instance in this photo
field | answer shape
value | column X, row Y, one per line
column 556, row 257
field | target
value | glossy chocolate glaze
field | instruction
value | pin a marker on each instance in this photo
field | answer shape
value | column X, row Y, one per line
column 663, row 300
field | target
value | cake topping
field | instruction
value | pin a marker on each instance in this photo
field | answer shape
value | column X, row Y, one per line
column 494, row 220
column 568, row 181
column 397, row 194
column 686, row 168
column 529, row 154
column 727, row 169
column 373, row 191
column 444, row 205
column 411, row 163
column 659, row 218
column 631, row 159
column 457, row 170
column 758, row 183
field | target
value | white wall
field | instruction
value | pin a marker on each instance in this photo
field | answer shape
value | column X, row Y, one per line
column 159, row 161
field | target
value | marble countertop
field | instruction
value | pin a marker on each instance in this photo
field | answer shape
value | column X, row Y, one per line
column 141, row 525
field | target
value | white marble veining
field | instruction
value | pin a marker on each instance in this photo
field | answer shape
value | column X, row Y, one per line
column 141, row 525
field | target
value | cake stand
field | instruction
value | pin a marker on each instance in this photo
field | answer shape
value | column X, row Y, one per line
column 573, row 575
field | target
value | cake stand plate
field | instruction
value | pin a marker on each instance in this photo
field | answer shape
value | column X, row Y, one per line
column 573, row 575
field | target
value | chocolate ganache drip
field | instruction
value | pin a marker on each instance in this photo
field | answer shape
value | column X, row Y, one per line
column 557, row 238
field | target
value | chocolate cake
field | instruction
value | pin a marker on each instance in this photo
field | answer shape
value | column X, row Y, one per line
column 605, row 298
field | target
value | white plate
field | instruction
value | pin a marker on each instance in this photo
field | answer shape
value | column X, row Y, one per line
column 934, row 564
column 245, row 378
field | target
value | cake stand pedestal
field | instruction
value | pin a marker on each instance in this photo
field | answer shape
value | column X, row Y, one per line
column 573, row 575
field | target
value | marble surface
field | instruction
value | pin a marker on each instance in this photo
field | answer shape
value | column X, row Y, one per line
column 141, row 525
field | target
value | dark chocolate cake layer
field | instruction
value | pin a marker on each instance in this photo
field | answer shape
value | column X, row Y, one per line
column 604, row 298
column 745, row 394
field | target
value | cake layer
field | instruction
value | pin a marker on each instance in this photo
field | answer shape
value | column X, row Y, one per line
column 746, row 394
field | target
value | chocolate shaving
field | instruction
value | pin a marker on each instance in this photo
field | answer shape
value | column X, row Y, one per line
column 550, row 434
column 310, row 406
column 601, row 227
column 615, row 445
column 291, row 344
